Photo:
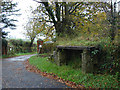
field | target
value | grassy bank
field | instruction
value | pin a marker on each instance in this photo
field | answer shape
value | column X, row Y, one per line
column 109, row 52
column 68, row 73
column 18, row 54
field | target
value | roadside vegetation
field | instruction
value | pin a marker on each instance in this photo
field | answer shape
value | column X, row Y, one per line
column 18, row 47
column 75, row 75
column 18, row 54
column 75, row 24
column 109, row 57
column 84, row 24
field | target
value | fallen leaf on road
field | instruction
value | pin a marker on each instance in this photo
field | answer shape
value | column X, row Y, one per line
column 32, row 68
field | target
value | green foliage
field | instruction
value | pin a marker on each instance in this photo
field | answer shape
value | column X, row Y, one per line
column 17, row 54
column 67, row 17
column 110, row 58
column 68, row 73
column 34, row 28
column 48, row 47
column 108, row 52
column 8, row 9
column 88, row 25
column 21, row 46
column 10, row 53
column 76, row 64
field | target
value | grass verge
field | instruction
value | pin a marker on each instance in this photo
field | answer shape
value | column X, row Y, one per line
column 18, row 54
column 68, row 73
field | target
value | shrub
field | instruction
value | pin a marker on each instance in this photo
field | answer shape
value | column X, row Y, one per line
column 109, row 57
column 48, row 47
column 21, row 46
column 109, row 52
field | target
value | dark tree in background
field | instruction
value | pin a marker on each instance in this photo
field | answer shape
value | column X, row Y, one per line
column 7, row 9
column 113, row 17
column 62, row 14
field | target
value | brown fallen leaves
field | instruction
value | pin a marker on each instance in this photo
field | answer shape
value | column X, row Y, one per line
column 32, row 68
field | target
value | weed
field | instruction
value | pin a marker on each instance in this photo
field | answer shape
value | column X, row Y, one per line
column 68, row 73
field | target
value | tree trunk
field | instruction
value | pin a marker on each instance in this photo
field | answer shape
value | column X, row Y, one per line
column 113, row 21
column 30, row 46
column 62, row 27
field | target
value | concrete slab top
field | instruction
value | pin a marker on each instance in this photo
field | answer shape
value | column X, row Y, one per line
column 76, row 47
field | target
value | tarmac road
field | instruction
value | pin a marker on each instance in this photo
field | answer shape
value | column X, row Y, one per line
column 15, row 75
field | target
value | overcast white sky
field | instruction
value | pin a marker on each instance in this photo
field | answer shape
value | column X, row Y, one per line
column 25, row 12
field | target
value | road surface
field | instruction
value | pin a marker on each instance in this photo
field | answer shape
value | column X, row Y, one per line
column 15, row 75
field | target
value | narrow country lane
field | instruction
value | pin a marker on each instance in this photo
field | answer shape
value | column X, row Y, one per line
column 15, row 75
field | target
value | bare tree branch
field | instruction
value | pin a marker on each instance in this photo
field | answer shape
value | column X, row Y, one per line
column 71, row 7
column 49, row 30
column 37, row 1
column 74, row 9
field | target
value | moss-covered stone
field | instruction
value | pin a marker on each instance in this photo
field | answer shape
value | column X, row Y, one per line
column 81, row 58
